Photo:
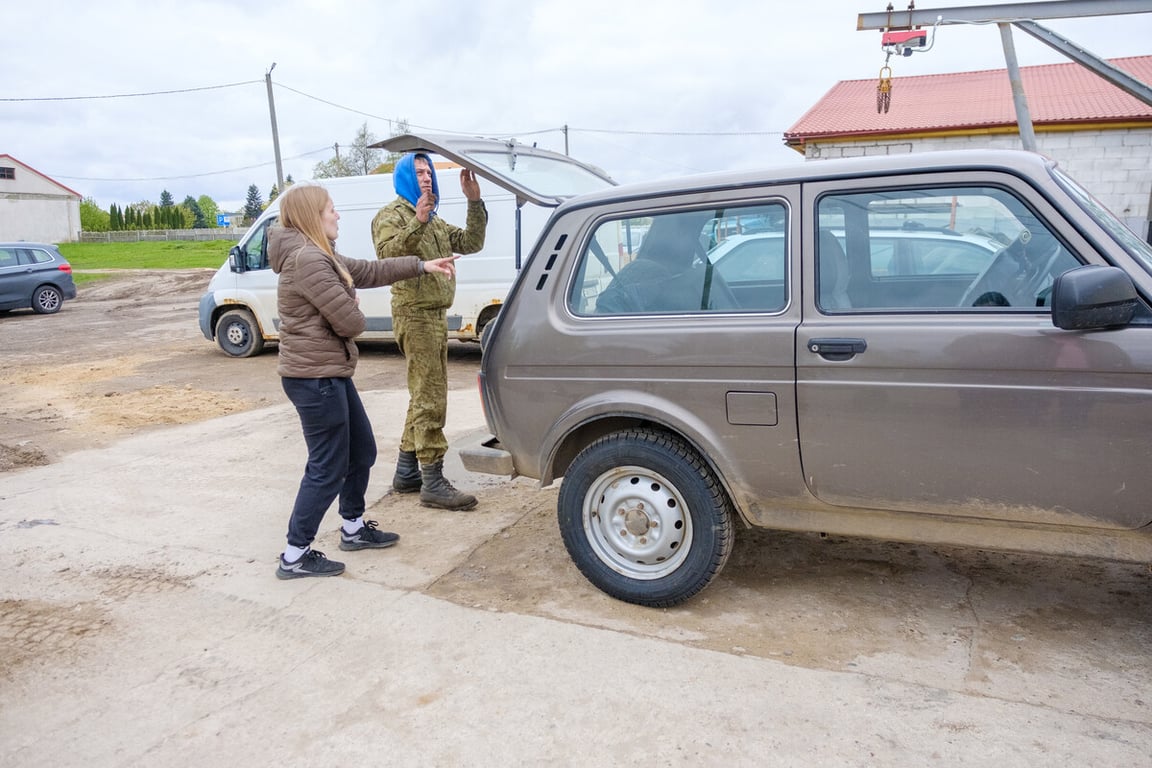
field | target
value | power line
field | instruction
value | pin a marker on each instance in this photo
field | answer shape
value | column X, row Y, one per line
column 390, row 121
column 559, row 129
column 676, row 133
column 192, row 175
column 131, row 95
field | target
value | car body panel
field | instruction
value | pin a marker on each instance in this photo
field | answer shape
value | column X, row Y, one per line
column 902, row 404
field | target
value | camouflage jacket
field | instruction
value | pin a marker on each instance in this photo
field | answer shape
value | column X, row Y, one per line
column 397, row 232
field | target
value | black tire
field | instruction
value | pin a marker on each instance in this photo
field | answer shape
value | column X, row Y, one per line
column 238, row 335
column 47, row 300
column 644, row 518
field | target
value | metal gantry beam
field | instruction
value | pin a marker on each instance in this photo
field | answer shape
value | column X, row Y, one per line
column 991, row 14
column 1114, row 75
column 1023, row 16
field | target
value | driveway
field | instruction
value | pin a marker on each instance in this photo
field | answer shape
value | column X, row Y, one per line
column 145, row 481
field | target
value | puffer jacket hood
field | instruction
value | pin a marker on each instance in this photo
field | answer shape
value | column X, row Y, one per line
column 404, row 178
column 281, row 241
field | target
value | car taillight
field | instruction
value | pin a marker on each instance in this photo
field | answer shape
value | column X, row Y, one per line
column 483, row 402
column 65, row 268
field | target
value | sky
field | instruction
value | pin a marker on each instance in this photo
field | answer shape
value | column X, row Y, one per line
column 647, row 88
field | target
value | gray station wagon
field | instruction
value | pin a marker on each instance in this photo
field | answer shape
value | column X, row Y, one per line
column 34, row 276
column 996, row 393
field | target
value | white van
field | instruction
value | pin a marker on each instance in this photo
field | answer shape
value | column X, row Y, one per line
column 238, row 311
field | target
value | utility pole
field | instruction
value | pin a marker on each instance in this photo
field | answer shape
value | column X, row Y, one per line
column 275, row 133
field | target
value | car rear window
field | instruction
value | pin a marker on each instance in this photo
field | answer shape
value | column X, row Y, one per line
column 699, row 261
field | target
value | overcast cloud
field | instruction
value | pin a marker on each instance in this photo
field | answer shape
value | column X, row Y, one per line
column 618, row 72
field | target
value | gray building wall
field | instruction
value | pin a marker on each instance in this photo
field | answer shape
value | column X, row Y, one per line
column 35, row 208
column 1114, row 165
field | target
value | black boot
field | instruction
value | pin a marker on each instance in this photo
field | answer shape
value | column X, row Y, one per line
column 438, row 492
column 407, row 477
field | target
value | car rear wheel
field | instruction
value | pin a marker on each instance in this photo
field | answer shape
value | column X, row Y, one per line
column 47, row 300
column 238, row 335
column 644, row 518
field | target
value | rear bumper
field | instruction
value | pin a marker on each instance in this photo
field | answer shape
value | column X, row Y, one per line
column 488, row 458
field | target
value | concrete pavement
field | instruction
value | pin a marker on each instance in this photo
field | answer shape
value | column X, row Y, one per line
column 141, row 625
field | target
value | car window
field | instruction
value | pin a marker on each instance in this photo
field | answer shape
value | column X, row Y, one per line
column 35, row 256
column 973, row 249
column 8, row 257
column 700, row 261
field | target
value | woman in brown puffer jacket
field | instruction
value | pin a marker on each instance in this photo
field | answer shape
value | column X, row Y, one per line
column 319, row 318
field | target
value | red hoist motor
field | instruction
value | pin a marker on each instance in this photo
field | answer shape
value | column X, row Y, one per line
column 901, row 42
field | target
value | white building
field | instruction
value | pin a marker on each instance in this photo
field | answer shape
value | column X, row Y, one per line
column 1097, row 133
column 33, row 207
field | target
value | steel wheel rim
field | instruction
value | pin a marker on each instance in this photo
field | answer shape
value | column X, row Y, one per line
column 637, row 523
column 236, row 334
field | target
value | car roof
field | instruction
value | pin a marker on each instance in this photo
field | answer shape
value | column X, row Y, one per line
column 27, row 244
column 1019, row 162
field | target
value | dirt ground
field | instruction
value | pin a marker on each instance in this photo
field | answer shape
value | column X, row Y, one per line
column 127, row 356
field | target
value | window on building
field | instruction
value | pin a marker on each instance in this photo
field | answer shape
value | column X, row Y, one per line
column 7, row 173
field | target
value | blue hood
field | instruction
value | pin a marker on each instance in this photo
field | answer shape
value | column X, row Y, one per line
column 404, row 179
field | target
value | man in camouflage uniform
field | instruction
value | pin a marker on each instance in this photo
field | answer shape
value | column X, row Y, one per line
column 409, row 225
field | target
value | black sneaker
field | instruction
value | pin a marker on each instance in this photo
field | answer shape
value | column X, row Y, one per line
column 311, row 563
column 367, row 538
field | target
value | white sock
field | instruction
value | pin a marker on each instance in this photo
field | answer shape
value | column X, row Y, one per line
column 351, row 526
column 292, row 554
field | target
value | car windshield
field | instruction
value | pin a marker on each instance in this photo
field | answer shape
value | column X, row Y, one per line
column 1127, row 239
column 546, row 176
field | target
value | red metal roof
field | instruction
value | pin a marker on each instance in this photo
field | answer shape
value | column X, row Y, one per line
column 1057, row 94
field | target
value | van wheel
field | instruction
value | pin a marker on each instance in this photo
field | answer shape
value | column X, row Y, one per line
column 238, row 335
column 644, row 518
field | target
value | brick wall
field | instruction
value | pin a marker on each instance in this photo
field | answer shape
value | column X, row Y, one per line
column 1114, row 165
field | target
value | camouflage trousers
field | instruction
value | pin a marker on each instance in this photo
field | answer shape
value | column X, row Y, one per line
column 423, row 340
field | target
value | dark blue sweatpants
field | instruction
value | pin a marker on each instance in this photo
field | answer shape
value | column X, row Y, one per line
column 341, row 452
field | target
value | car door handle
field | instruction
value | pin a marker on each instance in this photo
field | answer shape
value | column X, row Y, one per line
column 837, row 349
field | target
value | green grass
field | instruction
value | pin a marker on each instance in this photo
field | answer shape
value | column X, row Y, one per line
column 163, row 255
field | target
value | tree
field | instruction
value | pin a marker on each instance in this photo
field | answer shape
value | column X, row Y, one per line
column 93, row 218
column 361, row 157
column 209, row 208
column 273, row 193
column 330, row 169
column 253, row 205
column 196, row 215
column 399, row 126
column 165, row 199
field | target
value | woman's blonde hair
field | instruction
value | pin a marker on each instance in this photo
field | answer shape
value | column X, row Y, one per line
column 300, row 208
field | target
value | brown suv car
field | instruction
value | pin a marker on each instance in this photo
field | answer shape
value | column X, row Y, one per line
column 838, row 378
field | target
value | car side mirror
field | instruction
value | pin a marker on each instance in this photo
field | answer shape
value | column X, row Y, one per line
column 237, row 259
column 1093, row 297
